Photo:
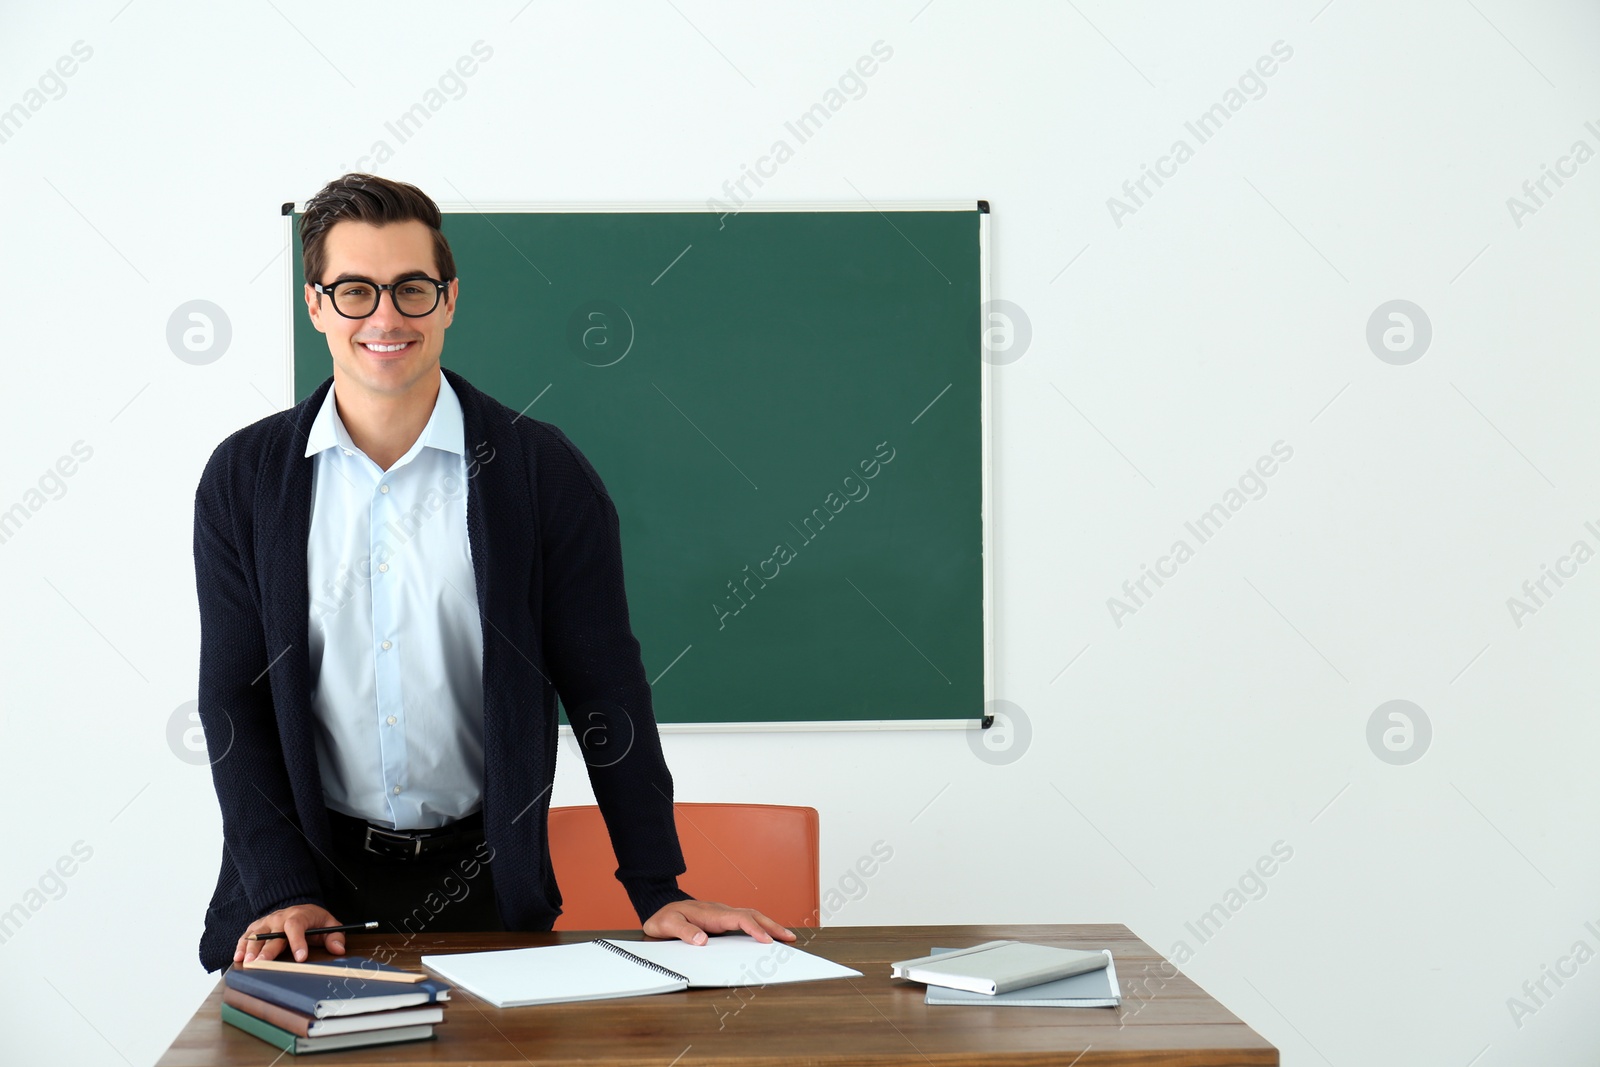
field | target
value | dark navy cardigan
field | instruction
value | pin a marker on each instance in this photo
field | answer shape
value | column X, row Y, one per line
column 547, row 558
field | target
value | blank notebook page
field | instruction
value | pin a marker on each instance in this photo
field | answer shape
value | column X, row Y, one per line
column 554, row 974
column 736, row 960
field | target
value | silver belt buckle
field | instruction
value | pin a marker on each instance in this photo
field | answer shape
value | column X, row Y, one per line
column 394, row 841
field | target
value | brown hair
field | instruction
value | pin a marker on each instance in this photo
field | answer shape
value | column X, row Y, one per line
column 368, row 198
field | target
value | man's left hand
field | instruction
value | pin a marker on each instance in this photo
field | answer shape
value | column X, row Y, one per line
column 694, row 920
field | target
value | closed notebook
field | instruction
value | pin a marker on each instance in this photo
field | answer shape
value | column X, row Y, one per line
column 604, row 969
column 278, row 1037
column 998, row 966
column 310, row 1026
column 322, row 996
column 1091, row 989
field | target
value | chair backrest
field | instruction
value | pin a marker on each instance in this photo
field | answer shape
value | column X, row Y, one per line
column 761, row 856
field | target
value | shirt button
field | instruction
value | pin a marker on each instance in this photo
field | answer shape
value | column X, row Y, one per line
column 392, row 721
column 383, row 566
column 396, row 790
column 383, row 488
column 348, row 452
column 386, row 647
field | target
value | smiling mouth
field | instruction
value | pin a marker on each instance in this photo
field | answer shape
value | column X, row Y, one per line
column 385, row 349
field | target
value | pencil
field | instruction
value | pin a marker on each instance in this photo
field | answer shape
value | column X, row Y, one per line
column 315, row 930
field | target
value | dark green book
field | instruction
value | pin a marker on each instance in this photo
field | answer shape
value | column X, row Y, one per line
column 278, row 1037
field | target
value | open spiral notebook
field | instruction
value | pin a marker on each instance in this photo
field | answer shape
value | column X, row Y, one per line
column 605, row 969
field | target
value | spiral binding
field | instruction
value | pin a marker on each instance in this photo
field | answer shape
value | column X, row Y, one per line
column 667, row 971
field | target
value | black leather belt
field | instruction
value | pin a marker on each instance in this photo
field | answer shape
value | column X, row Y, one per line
column 406, row 844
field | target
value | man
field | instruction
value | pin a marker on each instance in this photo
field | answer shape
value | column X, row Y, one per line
column 396, row 579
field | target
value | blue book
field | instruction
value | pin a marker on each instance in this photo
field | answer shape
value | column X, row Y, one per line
column 324, row 996
column 1092, row 989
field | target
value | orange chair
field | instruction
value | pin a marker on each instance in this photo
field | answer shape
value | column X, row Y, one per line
column 761, row 856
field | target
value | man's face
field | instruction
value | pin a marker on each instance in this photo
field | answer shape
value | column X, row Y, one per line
column 381, row 254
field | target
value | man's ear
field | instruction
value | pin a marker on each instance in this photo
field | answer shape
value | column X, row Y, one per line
column 314, row 307
column 450, row 295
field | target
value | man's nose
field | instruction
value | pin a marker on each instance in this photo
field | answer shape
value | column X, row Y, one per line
column 386, row 316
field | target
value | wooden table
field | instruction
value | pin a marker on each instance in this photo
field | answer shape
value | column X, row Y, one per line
column 1164, row 1019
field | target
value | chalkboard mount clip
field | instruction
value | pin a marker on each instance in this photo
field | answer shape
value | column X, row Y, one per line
column 983, row 207
column 288, row 209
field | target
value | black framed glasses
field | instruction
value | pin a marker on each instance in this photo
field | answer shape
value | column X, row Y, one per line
column 356, row 298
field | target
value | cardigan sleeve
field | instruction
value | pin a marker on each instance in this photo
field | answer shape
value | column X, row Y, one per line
column 595, row 664
column 259, row 830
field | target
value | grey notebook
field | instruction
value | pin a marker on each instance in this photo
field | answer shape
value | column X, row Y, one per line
column 998, row 966
column 1092, row 989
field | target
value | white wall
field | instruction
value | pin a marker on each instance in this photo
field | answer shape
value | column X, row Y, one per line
column 1171, row 347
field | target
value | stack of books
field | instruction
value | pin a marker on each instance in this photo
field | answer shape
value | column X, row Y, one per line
column 345, row 1002
column 1015, row 974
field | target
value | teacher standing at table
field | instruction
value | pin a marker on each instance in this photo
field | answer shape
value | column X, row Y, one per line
column 397, row 577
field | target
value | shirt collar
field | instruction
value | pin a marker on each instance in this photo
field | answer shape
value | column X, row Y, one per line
column 445, row 429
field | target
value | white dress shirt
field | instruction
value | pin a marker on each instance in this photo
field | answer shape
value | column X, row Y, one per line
column 396, row 642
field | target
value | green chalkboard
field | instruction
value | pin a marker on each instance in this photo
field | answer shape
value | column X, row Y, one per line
column 735, row 380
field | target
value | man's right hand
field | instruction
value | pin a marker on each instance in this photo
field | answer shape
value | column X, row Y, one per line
column 293, row 921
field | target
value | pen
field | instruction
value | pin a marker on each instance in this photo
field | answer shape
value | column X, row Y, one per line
column 316, row 930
